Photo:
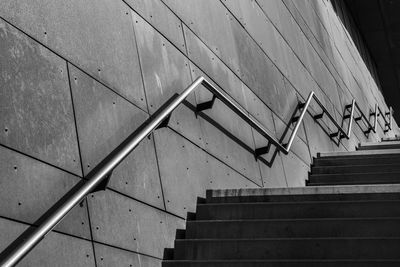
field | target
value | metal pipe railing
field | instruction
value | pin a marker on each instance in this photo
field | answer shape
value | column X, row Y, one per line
column 102, row 172
column 388, row 123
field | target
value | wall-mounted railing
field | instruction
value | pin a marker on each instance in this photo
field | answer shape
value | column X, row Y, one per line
column 98, row 178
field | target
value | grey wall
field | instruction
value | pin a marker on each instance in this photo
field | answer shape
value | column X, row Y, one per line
column 77, row 77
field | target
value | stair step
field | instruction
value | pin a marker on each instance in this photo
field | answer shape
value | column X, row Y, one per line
column 356, row 160
column 346, row 169
column 283, row 263
column 355, row 178
column 379, row 145
column 288, row 248
column 286, row 210
column 344, row 227
column 373, row 153
column 308, row 193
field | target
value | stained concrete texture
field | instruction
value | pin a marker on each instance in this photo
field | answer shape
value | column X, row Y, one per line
column 104, row 120
column 111, row 256
column 55, row 250
column 125, row 58
column 36, row 117
column 166, row 72
column 187, row 175
column 273, row 176
column 97, row 36
column 296, row 171
column 161, row 18
column 29, row 188
column 128, row 224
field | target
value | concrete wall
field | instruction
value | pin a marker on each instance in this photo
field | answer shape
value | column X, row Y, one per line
column 77, row 77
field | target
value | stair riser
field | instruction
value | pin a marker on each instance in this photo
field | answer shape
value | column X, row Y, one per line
column 288, row 249
column 373, row 178
column 296, row 228
column 355, row 169
column 397, row 146
column 353, row 161
column 299, row 210
column 283, row 264
column 311, row 197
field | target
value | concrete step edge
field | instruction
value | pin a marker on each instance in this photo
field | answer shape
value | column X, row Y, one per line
column 355, row 173
column 283, row 261
column 309, row 190
column 216, row 240
column 296, row 219
column 358, row 153
column 383, row 143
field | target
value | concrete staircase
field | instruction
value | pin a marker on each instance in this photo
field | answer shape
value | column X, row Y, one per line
column 348, row 215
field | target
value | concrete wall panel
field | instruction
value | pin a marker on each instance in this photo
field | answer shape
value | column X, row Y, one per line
column 109, row 256
column 166, row 72
column 163, row 19
column 233, row 152
column 191, row 172
column 273, row 176
column 95, row 35
column 223, row 78
column 125, row 223
column 104, row 120
column 223, row 176
column 55, row 250
column 36, row 117
column 29, row 188
column 296, row 170
column 319, row 141
column 185, row 175
column 209, row 20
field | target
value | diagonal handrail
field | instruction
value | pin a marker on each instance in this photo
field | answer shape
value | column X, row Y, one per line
column 100, row 175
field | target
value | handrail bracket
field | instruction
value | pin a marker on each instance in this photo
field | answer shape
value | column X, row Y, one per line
column 206, row 105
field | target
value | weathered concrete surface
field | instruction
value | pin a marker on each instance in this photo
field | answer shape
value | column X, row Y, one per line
column 55, row 250
column 110, row 256
column 125, row 58
column 36, row 111
column 187, row 175
column 123, row 222
column 97, row 36
column 104, row 120
column 162, row 19
column 166, row 72
column 29, row 188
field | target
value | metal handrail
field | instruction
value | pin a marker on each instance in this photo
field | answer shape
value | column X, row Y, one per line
column 100, row 175
column 390, row 114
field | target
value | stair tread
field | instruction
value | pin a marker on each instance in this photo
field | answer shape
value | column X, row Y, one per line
column 299, row 219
